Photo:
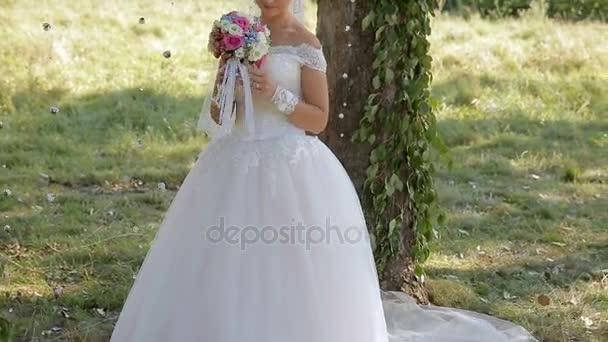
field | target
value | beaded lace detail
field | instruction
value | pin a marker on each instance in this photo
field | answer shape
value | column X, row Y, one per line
column 285, row 100
column 308, row 55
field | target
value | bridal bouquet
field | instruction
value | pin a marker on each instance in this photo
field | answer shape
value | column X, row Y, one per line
column 244, row 39
column 241, row 36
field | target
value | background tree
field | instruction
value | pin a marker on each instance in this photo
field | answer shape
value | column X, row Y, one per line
column 379, row 75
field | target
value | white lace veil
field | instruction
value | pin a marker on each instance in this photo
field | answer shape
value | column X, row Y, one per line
column 205, row 121
column 297, row 8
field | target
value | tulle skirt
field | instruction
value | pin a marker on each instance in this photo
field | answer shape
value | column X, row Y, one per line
column 266, row 242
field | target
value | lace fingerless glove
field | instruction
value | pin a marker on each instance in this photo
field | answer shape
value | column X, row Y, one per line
column 285, row 100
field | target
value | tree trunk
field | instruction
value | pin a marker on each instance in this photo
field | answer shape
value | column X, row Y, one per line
column 354, row 62
column 350, row 55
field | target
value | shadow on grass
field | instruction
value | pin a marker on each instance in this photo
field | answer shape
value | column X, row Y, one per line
column 511, row 291
column 517, row 176
column 134, row 133
column 530, row 275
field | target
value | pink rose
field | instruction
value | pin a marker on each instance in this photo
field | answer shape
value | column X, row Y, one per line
column 232, row 43
column 259, row 27
column 242, row 22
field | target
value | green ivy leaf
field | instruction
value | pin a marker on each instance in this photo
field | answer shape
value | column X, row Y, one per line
column 396, row 182
column 389, row 75
column 380, row 31
column 376, row 82
column 367, row 21
column 373, row 110
column 390, row 189
column 372, row 171
column 392, row 226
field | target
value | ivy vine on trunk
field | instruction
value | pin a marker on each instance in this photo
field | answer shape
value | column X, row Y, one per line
column 400, row 124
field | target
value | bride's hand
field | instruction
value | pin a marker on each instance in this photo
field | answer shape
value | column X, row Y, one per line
column 261, row 83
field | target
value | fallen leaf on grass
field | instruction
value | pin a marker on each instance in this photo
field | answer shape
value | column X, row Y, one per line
column 543, row 300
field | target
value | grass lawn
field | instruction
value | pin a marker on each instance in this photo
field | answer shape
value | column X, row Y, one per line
column 83, row 191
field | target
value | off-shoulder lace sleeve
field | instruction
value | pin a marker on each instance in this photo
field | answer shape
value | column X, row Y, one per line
column 312, row 57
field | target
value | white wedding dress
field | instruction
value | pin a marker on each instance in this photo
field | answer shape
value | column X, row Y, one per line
column 266, row 242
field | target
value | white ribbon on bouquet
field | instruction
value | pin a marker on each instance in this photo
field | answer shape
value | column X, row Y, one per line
column 226, row 98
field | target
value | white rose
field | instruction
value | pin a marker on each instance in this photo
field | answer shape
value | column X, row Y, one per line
column 239, row 53
column 235, row 30
column 262, row 38
column 263, row 48
column 255, row 54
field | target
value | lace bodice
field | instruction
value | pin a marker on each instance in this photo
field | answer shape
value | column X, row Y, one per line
column 308, row 55
column 284, row 66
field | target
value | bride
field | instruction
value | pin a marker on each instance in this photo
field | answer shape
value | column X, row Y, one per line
column 266, row 240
